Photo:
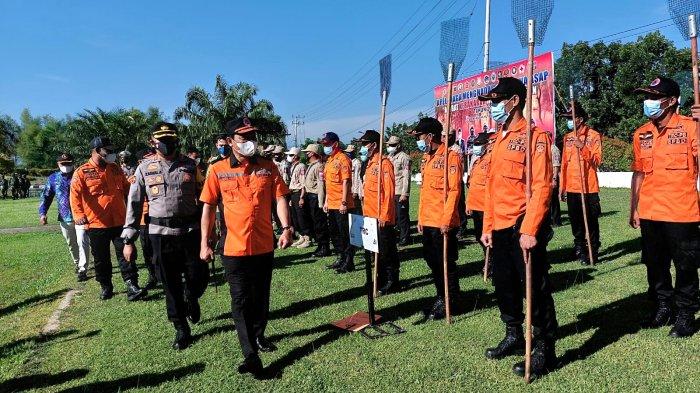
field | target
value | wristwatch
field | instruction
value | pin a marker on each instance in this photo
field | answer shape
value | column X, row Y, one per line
column 343, row 203
column 288, row 227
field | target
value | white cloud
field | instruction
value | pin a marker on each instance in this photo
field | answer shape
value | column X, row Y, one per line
column 350, row 127
column 53, row 78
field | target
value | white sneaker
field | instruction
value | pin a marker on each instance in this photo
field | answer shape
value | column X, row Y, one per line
column 306, row 243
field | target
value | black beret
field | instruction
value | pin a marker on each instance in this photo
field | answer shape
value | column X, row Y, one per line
column 507, row 87
column 428, row 125
column 370, row 136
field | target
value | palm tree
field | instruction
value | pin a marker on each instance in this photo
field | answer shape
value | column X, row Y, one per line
column 206, row 114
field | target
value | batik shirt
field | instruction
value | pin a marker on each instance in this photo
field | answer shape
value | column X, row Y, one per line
column 58, row 185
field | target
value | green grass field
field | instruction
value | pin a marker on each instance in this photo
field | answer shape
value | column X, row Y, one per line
column 117, row 346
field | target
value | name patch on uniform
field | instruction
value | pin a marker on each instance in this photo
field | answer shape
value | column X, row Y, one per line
column 263, row 172
column 229, row 175
column 678, row 138
column 517, row 144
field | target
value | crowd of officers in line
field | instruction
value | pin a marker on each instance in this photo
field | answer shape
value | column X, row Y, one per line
column 15, row 186
column 173, row 202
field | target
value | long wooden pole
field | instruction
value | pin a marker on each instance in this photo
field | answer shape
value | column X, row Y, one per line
column 450, row 82
column 692, row 27
column 486, row 264
column 382, row 124
column 581, row 171
column 528, row 194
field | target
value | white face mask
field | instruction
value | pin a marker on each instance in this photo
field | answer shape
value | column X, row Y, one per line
column 197, row 161
column 65, row 168
column 290, row 158
column 391, row 149
column 248, row 148
column 111, row 158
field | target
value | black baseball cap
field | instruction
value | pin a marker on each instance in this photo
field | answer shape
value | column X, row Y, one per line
column 661, row 87
column 580, row 112
column 507, row 87
column 101, row 142
column 64, row 157
column 370, row 136
column 241, row 125
column 428, row 125
column 328, row 138
column 482, row 139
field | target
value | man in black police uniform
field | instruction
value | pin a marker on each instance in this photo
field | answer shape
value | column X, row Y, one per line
column 171, row 183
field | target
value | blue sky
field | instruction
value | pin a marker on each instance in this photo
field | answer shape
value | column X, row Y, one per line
column 62, row 56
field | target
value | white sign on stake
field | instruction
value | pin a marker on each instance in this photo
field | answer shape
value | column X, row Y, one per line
column 363, row 232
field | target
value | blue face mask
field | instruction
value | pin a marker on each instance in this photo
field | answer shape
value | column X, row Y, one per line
column 328, row 150
column 652, row 109
column 224, row 150
column 422, row 145
column 498, row 112
column 570, row 124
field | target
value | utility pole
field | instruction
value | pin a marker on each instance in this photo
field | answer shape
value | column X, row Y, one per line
column 298, row 121
column 487, row 33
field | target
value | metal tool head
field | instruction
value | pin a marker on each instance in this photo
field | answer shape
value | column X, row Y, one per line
column 454, row 42
column 685, row 14
column 523, row 11
column 385, row 75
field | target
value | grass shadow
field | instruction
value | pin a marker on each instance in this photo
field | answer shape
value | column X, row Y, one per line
column 38, row 381
column 32, row 301
column 145, row 380
column 48, row 338
column 628, row 314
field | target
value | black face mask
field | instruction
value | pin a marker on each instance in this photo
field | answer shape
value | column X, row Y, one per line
column 167, row 147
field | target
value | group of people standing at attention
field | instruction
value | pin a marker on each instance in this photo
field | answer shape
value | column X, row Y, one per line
column 185, row 213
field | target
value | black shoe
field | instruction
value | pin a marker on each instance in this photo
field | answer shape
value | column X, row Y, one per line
column 388, row 288
column 542, row 361
column 82, row 276
column 183, row 337
column 194, row 313
column 684, row 326
column 437, row 311
column 348, row 265
column 265, row 345
column 583, row 259
column 107, row 292
column 663, row 316
column 133, row 291
column 404, row 243
column 322, row 251
column 151, row 283
column 512, row 344
column 336, row 265
column 252, row 365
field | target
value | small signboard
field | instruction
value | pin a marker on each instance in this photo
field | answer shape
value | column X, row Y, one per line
column 363, row 232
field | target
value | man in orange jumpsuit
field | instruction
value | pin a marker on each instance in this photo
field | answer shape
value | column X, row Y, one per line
column 588, row 143
column 248, row 185
column 388, row 272
column 98, row 200
column 338, row 177
column 437, row 216
column 664, row 203
column 514, row 225
column 476, row 197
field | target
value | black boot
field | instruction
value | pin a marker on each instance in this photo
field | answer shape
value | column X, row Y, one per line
column 661, row 317
column 348, row 265
column 265, row 345
column 322, row 251
column 389, row 288
column 542, row 361
column 337, row 264
column 151, row 283
column 194, row 313
column 133, row 291
column 107, row 291
column 438, row 310
column 183, row 336
column 684, row 326
column 512, row 344
column 82, row 276
column 252, row 364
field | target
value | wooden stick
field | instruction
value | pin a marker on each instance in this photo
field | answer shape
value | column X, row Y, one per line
column 581, row 171
column 486, row 265
column 528, row 194
column 450, row 82
column 382, row 124
column 696, row 89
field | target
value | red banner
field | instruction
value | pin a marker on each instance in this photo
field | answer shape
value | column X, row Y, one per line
column 471, row 116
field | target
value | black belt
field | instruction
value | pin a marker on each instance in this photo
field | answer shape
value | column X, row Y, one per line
column 295, row 191
column 174, row 222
